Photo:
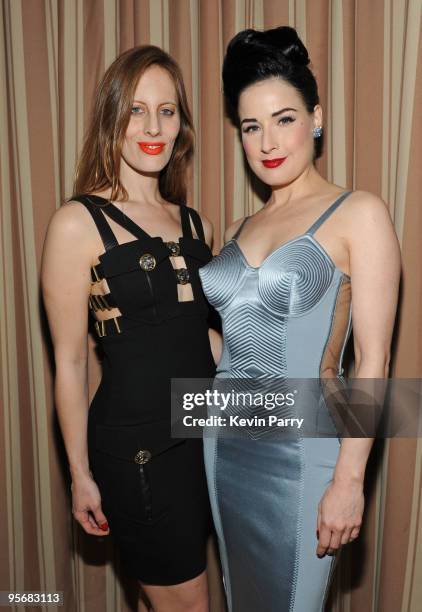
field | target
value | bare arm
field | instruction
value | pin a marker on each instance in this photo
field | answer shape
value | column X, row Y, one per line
column 216, row 341
column 67, row 258
column 375, row 272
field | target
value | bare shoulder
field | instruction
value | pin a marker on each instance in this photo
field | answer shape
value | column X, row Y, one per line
column 368, row 222
column 365, row 214
column 364, row 206
column 71, row 220
column 71, row 233
column 232, row 229
column 70, row 217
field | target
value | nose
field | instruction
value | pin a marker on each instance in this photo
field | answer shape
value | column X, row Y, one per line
column 152, row 125
column 268, row 141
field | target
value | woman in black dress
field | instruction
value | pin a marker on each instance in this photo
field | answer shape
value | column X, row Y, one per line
column 128, row 246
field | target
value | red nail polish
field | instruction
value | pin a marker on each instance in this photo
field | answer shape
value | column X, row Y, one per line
column 104, row 526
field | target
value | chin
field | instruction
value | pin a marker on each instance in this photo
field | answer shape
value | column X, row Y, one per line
column 152, row 167
column 146, row 166
column 277, row 177
column 282, row 181
column 272, row 177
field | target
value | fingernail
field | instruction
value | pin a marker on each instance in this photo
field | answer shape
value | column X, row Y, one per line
column 104, row 526
column 317, row 534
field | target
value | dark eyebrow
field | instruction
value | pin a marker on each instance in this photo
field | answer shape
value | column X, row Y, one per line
column 283, row 110
column 161, row 103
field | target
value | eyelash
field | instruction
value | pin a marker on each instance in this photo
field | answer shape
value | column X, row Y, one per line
column 283, row 120
column 169, row 112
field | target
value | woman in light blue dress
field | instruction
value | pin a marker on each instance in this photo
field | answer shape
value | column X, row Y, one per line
column 284, row 284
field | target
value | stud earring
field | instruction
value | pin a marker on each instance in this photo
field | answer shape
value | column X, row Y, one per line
column 317, row 131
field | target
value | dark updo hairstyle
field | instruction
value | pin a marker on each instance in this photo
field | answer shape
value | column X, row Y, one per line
column 254, row 56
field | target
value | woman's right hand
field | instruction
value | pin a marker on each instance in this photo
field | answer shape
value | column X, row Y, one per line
column 86, row 506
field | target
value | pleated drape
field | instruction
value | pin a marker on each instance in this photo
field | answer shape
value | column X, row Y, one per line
column 366, row 56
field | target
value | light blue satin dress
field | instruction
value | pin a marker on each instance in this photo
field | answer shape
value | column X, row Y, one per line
column 289, row 317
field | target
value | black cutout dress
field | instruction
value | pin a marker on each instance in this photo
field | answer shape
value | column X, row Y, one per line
column 153, row 487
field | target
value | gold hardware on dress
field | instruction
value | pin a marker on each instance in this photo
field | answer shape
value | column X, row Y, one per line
column 182, row 275
column 97, row 278
column 174, row 248
column 142, row 457
column 100, row 328
column 147, row 262
column 97, row 301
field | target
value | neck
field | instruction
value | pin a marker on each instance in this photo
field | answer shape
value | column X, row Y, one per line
column 140, row 186
column 309, row 181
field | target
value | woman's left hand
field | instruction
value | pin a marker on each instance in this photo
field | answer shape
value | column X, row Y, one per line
column 339, row 516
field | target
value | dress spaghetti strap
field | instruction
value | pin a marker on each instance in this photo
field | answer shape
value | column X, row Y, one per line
column 239, row 229
column 325, row 215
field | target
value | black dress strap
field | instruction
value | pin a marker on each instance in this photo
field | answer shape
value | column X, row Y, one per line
column 104, row 229
column 187, row 214
column 185, row 220
column 126, row 222
column 197, row 223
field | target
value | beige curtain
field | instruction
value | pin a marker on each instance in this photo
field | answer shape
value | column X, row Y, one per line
column 365, row 54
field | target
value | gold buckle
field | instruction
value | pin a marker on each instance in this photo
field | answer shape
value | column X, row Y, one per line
column 103, row 302
column 97, row 301
column 100, row 328
column 97, row 278
column 142, row 457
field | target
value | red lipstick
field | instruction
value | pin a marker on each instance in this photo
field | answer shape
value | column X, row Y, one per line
column 152, row 148
column 273, row 163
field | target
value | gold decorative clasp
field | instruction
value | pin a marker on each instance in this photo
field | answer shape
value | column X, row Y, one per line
column 147, row 262
column 95, row 274
column 142, row 457
column 100, row 328
column 182, row 275
column 97, row 301
column 174, row 248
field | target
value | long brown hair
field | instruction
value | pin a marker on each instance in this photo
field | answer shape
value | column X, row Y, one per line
column 98, row 166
